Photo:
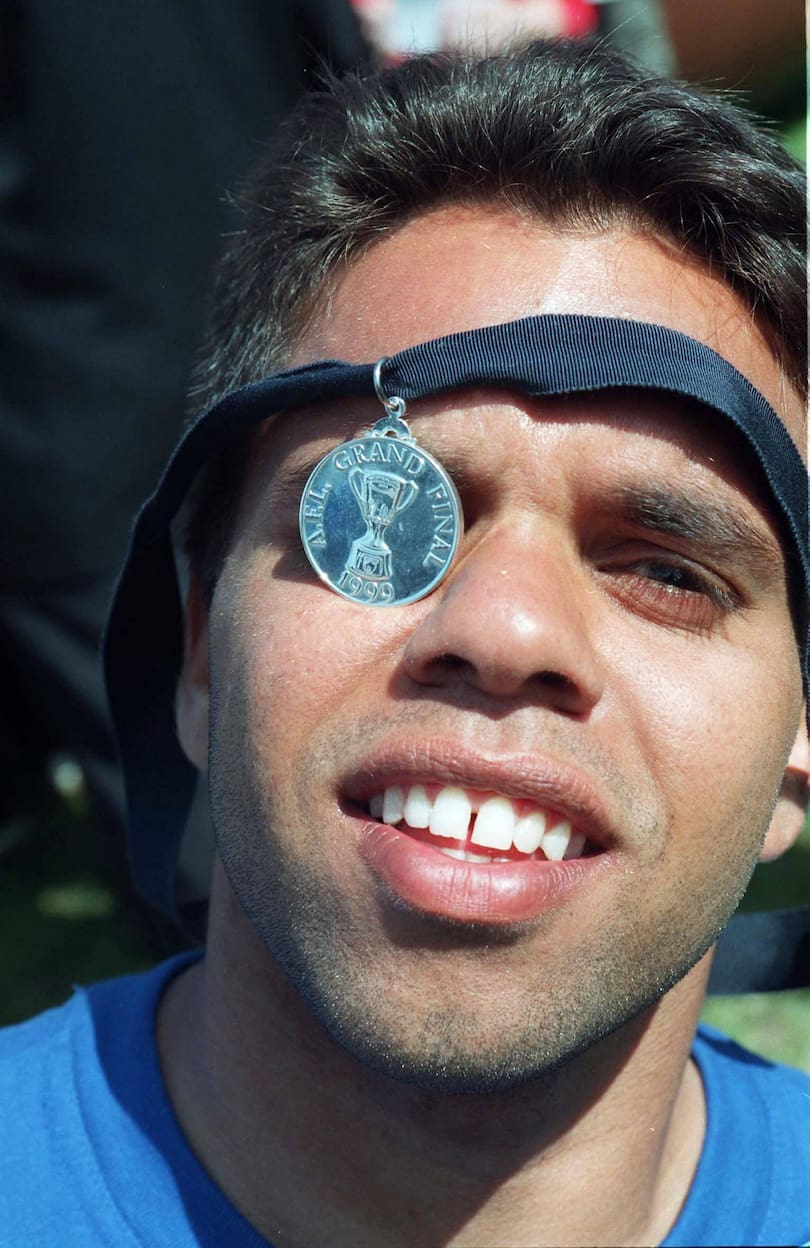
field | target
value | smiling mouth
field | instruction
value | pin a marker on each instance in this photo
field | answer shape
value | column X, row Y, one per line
column 478, row 827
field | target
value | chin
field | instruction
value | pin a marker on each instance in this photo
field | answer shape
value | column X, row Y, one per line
column 445, row 1044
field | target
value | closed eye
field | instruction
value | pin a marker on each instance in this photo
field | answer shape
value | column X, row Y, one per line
column 680, row 578
column 670, row 590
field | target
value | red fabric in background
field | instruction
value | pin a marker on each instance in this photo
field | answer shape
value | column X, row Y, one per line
column 581, row 17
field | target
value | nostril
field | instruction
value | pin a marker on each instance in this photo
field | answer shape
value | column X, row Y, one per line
column 453, row 662
column 445, row 666
column 554, row 680
column 502, row 680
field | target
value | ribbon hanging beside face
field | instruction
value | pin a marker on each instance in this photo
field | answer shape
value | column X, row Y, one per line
column 380, row 518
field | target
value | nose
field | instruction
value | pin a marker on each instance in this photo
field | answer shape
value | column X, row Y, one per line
column 512, row 623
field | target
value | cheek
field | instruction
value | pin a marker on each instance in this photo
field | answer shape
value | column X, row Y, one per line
column 716, row 724
column 267, row 673
column 294, row 658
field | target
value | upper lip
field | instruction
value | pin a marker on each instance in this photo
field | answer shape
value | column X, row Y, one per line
column 548, row 782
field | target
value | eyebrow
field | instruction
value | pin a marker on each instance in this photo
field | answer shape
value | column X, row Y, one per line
column 288, row 480
column 720, row 529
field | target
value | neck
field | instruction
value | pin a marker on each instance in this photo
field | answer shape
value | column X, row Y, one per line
column 601, row 1150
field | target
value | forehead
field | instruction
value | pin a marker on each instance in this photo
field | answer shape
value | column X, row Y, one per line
column 463, row 268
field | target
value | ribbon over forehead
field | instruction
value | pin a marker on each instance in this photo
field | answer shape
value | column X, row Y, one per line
column 537, row 356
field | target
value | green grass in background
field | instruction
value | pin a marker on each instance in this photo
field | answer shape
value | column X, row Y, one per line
column 775, row 1024
column 70, row 915
column 794, row 137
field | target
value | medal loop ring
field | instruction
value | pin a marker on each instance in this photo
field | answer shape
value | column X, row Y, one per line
column 395, row 407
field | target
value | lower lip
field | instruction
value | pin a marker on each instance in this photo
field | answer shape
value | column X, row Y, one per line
column 469, row 892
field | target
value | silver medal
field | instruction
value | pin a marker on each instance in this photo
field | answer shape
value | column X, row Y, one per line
column 380, row 518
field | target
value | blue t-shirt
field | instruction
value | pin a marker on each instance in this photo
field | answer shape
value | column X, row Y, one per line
column 91, row 1153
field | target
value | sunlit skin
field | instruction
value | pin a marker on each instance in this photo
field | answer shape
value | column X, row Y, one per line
column 569, row 640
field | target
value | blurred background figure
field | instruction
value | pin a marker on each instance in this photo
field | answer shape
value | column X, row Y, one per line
column 744, row 44
column 122, row 127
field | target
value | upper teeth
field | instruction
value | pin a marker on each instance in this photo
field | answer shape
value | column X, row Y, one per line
column 499, row 823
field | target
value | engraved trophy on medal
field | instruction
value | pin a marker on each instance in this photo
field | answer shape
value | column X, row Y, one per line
column 381, row 496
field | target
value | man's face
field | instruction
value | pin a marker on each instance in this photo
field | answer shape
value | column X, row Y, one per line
column 613, row 649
